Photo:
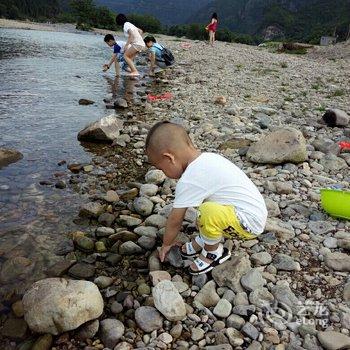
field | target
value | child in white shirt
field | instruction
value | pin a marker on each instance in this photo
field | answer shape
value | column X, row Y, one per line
column 229, row 204
column 134, row 44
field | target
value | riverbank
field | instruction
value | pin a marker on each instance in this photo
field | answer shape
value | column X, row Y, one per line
column 50, row 27
column 289, row 288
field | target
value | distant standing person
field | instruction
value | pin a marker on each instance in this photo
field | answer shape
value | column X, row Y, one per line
column 134, row 44
column 158, row 54
column 212, row 27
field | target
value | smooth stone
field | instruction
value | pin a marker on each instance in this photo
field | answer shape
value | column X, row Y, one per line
column 106, row 219
column 250, row 331
column 208, row 296
column 8, row 156
column 235, row 321
column 338, row 261
column 332, row 340
column 112, row 196
column 148, row 190
column 285, row 296
column 103, row 281
column 168, row 301
column 129, row 221
column 223, row 308
column 129, row 248
column 156, row 177
column 230, row 272
column 44, row 342
column 45, row 305
column 146, row 242
column 104, row 231
column 111, row 330
column 235, row 337
column 143, row 206
column 197, row 334
column 85, row 244
column 147, row 231
column 176, row 331
column 116, row 307
column 88, row 330
column 174, row 257
column 261, row 297
column 285, row 262
column 330, row 242
column 91, row 210
column 158, row 276
column 320, row 227
column 82, row 270
column 148, row 319
column 156, row 220
column 143, row 289
column 104, row 130
column 261, row 258
column 252, row 280
column 280, row 146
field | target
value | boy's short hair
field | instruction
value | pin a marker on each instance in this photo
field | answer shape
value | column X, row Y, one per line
column 149, row 38
column 121, row 19
column 108, row 37
column 152, row 130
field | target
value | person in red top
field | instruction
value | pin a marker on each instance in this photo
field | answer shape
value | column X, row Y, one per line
column 212, row 27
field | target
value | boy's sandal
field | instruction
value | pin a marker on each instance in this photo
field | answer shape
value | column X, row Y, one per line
column 190, row 251
column 218, row 256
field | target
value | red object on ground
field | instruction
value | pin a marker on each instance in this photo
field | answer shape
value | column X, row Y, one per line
column 165, row 96
column 186, row 46
column 344, row 145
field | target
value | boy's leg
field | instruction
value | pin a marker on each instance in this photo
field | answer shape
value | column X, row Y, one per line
column 117, row 67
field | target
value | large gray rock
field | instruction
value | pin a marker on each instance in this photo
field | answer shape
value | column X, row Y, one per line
column 8, row 156
column 332, row 340
column 261, row 297
column 104, row 130
column 148, row 318
column 129, row 248
column 168, row 301
column 111, row 330
column 230, row 272
column 338, row 261
column 281, row 146
column 57, row 305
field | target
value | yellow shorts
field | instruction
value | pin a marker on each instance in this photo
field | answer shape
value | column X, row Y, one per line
column 217, row 220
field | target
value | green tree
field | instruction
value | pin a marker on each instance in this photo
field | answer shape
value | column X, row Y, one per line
column 147, row 23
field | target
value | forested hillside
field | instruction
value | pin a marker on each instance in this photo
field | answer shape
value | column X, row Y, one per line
column 304, row 20
column 168, row 12
column 29, row 8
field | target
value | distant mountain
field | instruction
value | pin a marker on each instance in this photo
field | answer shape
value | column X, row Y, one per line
column 169, row 12
column 298, row 19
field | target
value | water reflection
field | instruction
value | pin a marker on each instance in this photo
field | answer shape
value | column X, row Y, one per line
column 43, row 75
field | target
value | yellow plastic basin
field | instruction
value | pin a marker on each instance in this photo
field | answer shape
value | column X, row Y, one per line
column 336, row 203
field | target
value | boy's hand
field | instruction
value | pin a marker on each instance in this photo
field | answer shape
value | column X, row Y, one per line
column 164, row 250
column 105, row 67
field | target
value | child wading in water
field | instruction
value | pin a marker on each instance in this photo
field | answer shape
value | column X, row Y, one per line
column 118, row 49
column 212, row 27
column 134, row 44
column 229, row 204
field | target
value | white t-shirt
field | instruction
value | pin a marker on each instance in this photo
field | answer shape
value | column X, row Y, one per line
column 129, row 28
column 211, row 177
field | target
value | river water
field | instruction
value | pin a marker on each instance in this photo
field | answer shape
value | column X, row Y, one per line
column 42, row 77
